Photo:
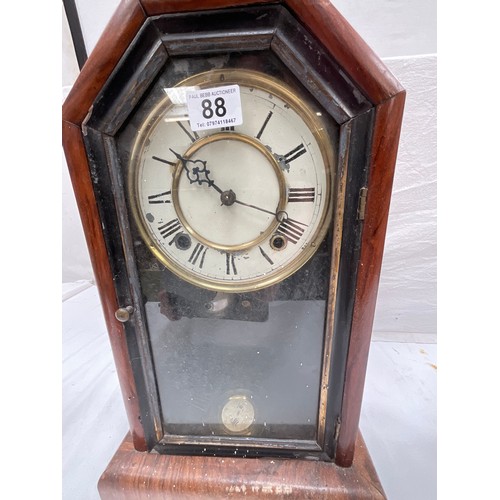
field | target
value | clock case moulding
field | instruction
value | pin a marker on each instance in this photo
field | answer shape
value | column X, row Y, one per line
column 317, row 45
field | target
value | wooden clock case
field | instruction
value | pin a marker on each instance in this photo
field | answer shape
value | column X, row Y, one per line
column 374, row 110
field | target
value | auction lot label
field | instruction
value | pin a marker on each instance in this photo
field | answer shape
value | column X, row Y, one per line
column 214, row 108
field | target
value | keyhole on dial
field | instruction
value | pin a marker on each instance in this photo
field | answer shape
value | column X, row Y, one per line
column 182, row 241
column 278, row 242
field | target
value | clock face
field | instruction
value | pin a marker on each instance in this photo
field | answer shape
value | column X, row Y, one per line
column 234, row 208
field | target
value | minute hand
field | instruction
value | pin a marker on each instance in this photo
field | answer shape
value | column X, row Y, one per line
column 281, row 215
column 256, row 208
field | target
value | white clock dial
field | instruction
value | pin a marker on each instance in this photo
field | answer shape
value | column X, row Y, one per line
column 235, row 209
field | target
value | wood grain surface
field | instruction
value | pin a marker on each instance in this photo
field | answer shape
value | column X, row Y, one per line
column 76, row 158
column 329, row 26
column 132, row 475
column 369, row 74
column 110, row 47
column 156, row 7
column 347, row 47
column 384, row 151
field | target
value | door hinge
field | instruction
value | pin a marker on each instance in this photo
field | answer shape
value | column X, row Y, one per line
column 363, row 192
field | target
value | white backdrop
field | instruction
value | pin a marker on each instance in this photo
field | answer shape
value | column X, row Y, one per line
column 403, row 33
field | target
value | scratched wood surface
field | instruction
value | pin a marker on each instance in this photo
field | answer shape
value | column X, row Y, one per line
column 385, row 144
column 132, row 475
column 84, row 193
column 110, row 47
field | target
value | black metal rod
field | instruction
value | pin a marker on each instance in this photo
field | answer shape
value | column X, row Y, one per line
column 76, row 31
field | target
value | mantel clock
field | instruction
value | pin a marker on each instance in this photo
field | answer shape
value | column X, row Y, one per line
column 232, row 162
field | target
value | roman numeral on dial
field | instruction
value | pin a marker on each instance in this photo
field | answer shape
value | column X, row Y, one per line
column 159, row 198
column 199, row 250
column 161, row 160
column 194, row 136
column 170, row 228
column 297, row 195
column 295, row 153
column 291, row 229
column 230, row 265
column 261, row 131
column 264, row 254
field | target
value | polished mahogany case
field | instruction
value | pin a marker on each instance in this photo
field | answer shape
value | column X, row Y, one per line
column 309, row 46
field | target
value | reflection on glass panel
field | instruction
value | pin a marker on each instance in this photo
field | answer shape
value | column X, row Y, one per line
column 227, row 377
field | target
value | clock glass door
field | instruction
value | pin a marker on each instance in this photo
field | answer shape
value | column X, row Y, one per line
column 231, row 214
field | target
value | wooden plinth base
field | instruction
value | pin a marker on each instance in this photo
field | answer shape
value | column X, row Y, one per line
column 132, row 475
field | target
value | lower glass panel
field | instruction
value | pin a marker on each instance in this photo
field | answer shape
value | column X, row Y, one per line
column 247, row 378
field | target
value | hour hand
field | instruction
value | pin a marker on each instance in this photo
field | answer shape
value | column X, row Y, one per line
column 196, row 171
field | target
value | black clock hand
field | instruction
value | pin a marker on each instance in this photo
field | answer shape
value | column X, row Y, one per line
column 256, row 208
column 196, row 171
column 195, row 174
column 280, row 215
